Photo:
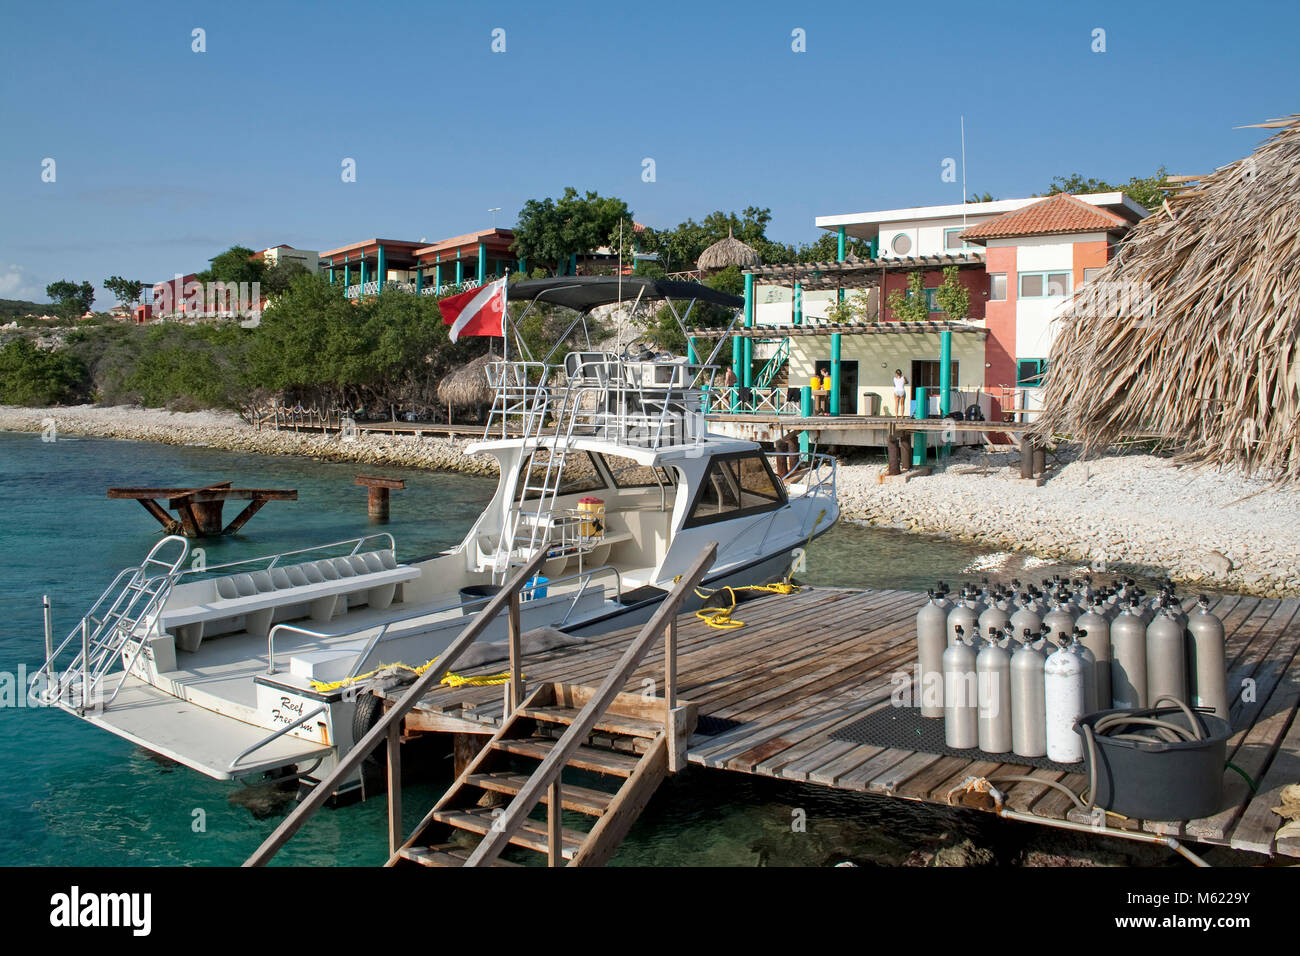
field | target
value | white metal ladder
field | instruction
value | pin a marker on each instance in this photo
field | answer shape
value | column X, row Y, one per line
column 125, row 611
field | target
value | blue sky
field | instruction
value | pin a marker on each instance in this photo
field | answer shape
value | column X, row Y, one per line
column 164, row 157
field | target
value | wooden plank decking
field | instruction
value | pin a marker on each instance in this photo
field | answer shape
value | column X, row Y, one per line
column 812, row 662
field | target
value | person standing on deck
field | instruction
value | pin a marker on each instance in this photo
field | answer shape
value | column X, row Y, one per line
column 821, row 389
column 900, row 392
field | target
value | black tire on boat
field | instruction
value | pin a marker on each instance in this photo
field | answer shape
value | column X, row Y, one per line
column 369, row 710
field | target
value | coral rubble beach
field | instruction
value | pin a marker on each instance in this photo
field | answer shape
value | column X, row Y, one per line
column 1205, row 527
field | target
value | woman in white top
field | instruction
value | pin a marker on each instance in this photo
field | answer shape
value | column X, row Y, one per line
column 900, row 392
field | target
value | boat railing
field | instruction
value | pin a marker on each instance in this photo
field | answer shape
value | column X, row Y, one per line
column 385, row 630
column 521, row 398
column 127, row 610
column 820, row 475
column 355, row 544
column 649, row 404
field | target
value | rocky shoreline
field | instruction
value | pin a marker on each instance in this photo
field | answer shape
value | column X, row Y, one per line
column 1213, row 529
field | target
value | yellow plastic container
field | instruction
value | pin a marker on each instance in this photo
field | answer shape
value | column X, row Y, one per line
column 595, row 525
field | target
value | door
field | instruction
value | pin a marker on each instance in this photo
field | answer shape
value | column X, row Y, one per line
column 848, row 384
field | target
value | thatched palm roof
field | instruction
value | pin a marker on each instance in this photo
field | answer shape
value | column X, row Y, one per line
column 468, row 385
column 728, row 252
column 1190, row 332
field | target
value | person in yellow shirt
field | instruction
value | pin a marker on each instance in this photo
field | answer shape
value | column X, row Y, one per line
column 821, row 389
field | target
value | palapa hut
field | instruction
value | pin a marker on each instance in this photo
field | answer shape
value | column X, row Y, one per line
column 467, row 387
column 1189, row 333
column 728, row 252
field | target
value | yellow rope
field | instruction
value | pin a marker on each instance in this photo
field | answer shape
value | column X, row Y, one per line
column 450, row 679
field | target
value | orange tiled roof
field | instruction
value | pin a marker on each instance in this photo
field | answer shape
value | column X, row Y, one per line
column 1061, row 213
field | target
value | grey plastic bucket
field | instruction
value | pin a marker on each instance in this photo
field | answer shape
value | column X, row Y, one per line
column 1159, row 780
column 478, row 594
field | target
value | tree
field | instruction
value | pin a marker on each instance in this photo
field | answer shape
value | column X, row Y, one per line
column 551, row 231
column 680, row 247
column 72, row 299
column 277, row 278
column 237, row 264
column 128, row 291
column 1150, row 191
column 826, row 248
column 31, row 376
column 981, row 197
column 952, row 296
column 910, row 306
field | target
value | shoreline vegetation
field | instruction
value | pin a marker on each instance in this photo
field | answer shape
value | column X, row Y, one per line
column 1206, row 528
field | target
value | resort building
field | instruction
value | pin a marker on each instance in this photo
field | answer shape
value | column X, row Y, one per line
column 309, row 259
column 1018, row 260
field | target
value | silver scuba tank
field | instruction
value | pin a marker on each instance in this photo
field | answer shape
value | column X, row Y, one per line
column 993, row 684
column 1166, row 658
column 1028, row 705
column 1063, row 703
column 1026, row 617
column 1059, row 620
column 960, row 695
column 1128, row 666
column 994, row 617
column 931, row 639
column 1096, row 628
column 1145, row 610
column 1090, row 697
column 1206, row 668
column 965, row 615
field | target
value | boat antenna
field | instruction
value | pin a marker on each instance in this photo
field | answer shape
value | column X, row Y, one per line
column 963, row 172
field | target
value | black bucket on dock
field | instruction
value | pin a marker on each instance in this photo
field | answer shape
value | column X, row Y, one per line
column 477, row 593
column 1159, row 779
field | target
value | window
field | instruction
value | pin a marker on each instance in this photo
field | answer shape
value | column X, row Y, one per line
column 997, row 287
column 1090, row 274
column 630, row 474
column 1030, row 372
column 735, row 486
column 902, row 244
column 952, row 240
column 579, row 475
column 925, row 374
column 1044, row 285
column 930, row 302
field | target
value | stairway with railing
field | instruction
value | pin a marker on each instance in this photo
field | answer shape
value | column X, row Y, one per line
column 113, row 629
column 768, row 373
column 664, row 731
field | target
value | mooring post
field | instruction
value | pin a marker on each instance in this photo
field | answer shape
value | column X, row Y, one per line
column 377, row 493
column 1026, row 457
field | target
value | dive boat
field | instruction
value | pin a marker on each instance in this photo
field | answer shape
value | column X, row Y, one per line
column 606, row 463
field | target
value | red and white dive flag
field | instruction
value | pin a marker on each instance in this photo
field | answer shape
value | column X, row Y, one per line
column 479, row 311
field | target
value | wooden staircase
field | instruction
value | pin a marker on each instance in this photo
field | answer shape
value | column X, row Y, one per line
column 622, row 763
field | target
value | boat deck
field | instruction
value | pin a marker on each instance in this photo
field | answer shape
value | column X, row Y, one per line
column 808, row 664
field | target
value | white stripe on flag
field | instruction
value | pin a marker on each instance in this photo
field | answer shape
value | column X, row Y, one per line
column 484, row 296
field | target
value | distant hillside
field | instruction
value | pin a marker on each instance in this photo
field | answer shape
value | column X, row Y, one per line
column 12, row 308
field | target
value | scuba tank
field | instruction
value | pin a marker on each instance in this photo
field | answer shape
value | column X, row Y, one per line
column 1089, row 659
column 1166, row 657
column 1026, row 616
column 996, row 616
column 1206, row 669
column 941, row 597
column 993, row 681
column 1096, row 626
column 1128, row 666
column 1063, row 703
column 1028, row 707
column 965, row 615
column 931, row 638
column 1144, row 610
column 960, row 696
column 1058, row 620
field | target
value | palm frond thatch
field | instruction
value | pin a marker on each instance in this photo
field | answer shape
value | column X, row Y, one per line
column 728, row 252
column 468, row 385
column 1190, row 332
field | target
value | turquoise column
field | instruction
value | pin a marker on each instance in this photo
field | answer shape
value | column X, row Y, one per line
column 380, row 272
column 573, row 264
column 523, row 266
column 806, row 410
column 363, row 278
column 419, row 280
column 875, row 247
column 331, row 275
column 798, row 304
column 347, row 275
column 840, row 246
column 918, row 437
column 437, row 272
column 748, row 360
column 737, row 356
column 945, row 381
column 835, row 373
column 482, row 263
column 460, row 269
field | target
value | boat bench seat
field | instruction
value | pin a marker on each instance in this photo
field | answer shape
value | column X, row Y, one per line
column 320, row 589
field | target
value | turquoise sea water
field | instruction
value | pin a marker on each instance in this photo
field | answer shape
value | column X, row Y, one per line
column 73, row 794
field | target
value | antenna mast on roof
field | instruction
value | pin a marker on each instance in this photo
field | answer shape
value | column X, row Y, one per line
column 963, row 172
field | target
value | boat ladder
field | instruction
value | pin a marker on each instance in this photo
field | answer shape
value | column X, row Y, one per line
column 114, row 629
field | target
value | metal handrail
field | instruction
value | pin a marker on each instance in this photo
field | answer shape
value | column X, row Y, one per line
column 275, row 558
column 362, row 749
column 275, row 736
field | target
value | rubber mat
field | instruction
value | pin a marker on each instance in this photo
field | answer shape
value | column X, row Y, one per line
column 707, row 726
column 903, row 728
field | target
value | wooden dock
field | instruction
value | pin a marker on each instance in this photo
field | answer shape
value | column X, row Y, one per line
column 770, row 694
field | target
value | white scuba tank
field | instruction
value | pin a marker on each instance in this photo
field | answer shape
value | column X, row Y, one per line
column 931, row 639
column 1064, row 702
column 960, row 695
column 993, row 678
